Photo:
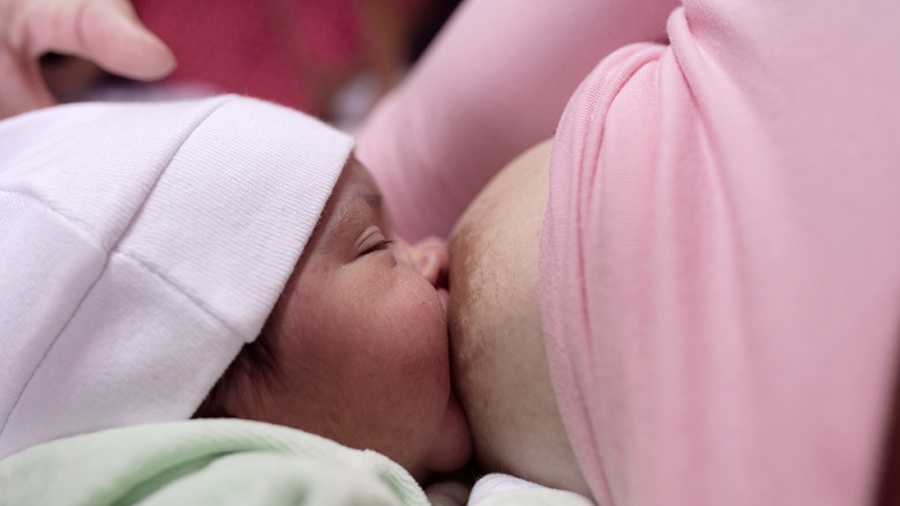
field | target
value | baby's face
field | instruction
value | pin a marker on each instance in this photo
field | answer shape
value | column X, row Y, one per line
column 360, row 338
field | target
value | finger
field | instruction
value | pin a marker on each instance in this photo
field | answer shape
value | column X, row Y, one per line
column 22, row 88
column 106, row 32
column 117, row 41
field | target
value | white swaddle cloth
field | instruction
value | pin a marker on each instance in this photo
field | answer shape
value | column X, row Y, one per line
column 141, row 246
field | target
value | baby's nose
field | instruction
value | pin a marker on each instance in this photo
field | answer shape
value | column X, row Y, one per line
column 431, row 258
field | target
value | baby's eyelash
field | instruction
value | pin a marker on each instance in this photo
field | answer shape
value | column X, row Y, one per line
column 380, row 245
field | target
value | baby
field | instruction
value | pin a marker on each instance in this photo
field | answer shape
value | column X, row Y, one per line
column 221, row 257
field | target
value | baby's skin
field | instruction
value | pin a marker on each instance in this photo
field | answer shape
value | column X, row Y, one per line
column 359, row 341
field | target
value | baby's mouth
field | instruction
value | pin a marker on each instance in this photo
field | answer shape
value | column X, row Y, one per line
column 444, row 297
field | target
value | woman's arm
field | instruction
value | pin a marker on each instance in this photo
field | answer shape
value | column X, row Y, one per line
column 494, row 83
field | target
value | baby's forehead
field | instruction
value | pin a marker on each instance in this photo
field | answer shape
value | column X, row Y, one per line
column 355, row 193
column 361, row 203
column 355, row 202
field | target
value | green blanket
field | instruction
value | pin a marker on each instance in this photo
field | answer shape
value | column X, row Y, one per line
column 214, row 462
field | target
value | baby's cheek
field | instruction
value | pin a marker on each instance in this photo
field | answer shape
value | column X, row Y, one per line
column 420, row 325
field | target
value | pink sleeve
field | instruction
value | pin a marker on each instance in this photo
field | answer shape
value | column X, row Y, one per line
column 494, row 83
column 720, row 258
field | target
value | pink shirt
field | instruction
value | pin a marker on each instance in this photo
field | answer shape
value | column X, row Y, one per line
column 720, row 264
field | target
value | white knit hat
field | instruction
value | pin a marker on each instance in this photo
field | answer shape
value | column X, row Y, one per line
column 141, row 246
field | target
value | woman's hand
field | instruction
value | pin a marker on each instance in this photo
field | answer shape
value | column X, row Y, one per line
column 106, row 32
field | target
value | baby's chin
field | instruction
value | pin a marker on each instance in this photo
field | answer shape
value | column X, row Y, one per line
column 452, row 447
